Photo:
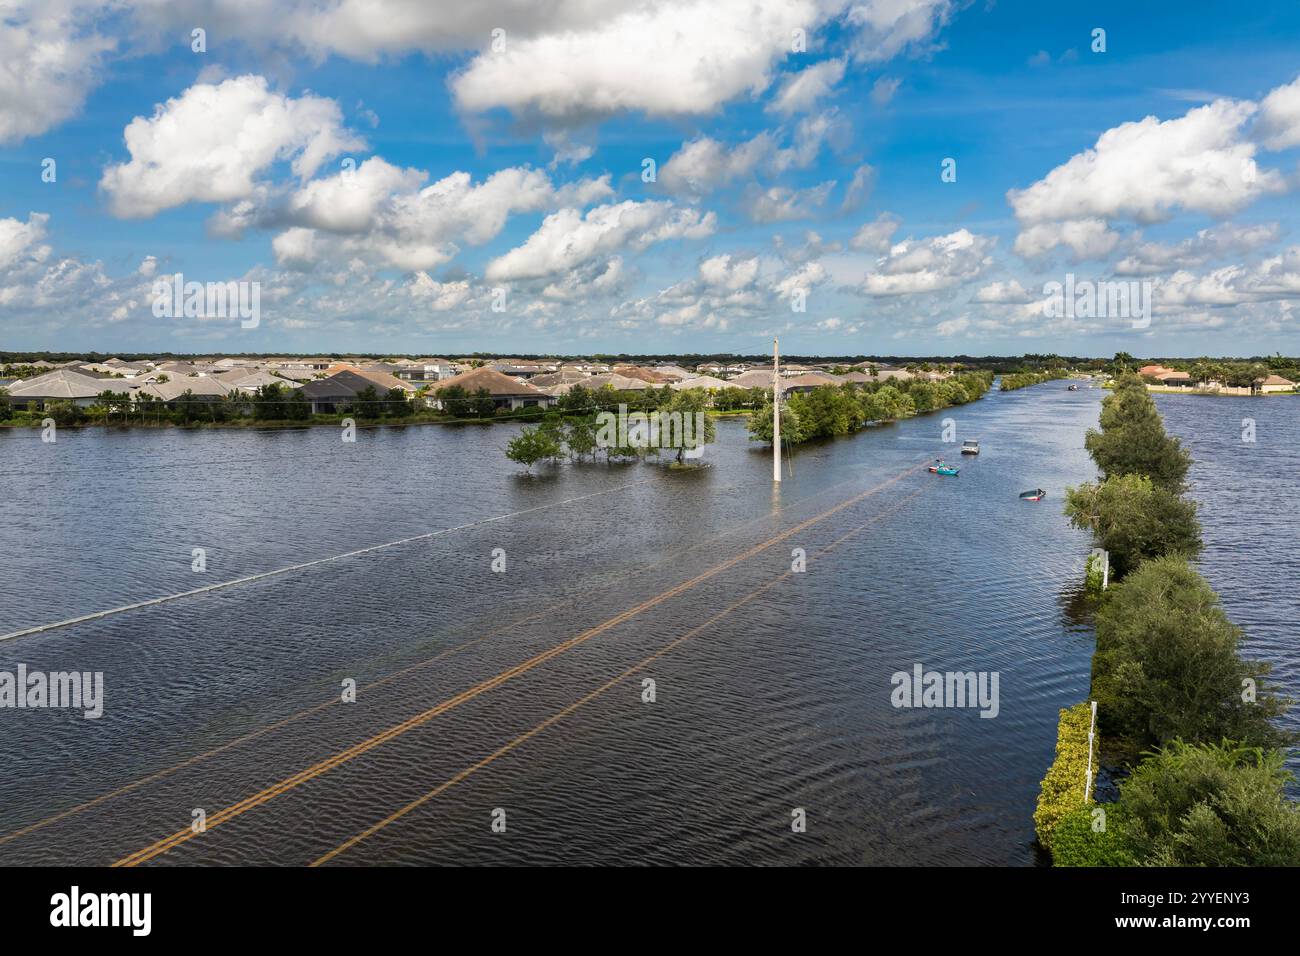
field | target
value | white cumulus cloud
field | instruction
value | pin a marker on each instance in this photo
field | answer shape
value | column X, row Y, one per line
column 51, row 52
column 210, row 144
column 800, row 91
column 568, row 238
column 673, row 58
column 929, row 265
column 1278, row 126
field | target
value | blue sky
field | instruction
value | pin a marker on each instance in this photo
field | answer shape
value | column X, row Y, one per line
column 797, row 192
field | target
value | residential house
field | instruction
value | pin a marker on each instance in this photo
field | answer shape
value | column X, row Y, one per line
column 1166, row 376
column 424, row 371
column 1273, row 384
column 565, row 376
column 620, row 383
column 335, row 392
column 673, row 372
column 808, row 381
column 201, row 386
column 60, row 385
column 248, row 381
column 701, row 381
column 754, row 378
column 589, row 368
column 651, row 376
column 506, row 392
column 514, row 368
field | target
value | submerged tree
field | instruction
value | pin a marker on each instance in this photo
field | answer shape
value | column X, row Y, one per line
column 687, row 412
column 532, row 445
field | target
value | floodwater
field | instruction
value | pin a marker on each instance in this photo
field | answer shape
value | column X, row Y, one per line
column 502, row 716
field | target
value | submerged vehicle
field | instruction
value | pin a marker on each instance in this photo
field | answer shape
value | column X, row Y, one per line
column 970, row 447
column 1037, row 494
column 1073, row 388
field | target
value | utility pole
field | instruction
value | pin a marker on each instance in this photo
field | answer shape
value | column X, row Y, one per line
column 776, row 413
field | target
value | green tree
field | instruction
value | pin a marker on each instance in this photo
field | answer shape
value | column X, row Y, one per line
column 1133, row 519
column 760, row 423
column 367, row 403
column 1166, row 666
column 268, row 403
column 687, row 411
column 64, row 412
column 396, row 403
column 888, row 403
column 1132, row 438
column 576, row 401
column 532, row 445
column 296, row 407
column 483, row 404
column 826, row 412
column 580, row 437
column 455, row 401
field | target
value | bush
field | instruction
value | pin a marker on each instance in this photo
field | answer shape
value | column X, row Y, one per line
column 64, row 413
column 1166, row 666
column 1211, row 805
column 1084, row 837
column 1062, row 790
column 1133, row 519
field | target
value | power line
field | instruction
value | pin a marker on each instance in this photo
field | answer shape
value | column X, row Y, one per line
column 247, row 579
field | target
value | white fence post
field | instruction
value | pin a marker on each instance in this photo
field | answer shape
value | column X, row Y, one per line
column 1092, row 727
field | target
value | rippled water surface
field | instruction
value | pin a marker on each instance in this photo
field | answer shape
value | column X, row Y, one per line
column 523, row 690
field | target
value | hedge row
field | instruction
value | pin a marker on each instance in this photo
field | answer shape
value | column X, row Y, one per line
column 1062, row 789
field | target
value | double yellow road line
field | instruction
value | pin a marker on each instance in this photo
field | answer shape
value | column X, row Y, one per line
column 344, row 756
column 560, row 715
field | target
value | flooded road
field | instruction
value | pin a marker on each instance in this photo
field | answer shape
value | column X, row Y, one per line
column 519, row 696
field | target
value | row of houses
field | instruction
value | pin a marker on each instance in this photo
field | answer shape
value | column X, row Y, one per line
column 330, row 385
column 545, row 388
column 1175, row 378
column 81, row 384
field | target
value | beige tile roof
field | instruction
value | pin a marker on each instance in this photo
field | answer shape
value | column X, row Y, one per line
column 497, row 384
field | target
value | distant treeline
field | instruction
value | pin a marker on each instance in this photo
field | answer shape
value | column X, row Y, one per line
column 1189, row 722
column 833, row 410
column 1024, row 379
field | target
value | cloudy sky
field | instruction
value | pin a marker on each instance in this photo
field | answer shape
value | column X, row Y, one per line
column 857, row 176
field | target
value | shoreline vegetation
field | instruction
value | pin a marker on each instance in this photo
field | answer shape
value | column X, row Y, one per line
column 571, row 429
column 1024, row 379
column 1186, row 726
column 835, row 410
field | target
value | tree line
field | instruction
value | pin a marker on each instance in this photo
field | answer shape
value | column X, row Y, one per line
column 834, row 410
column 1188, row 722
column 1019, row 380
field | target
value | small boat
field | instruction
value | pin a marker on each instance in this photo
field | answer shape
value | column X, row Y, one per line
column 1038, row 494
column 1073, row 388
column 950, row 470
column 970, row 447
